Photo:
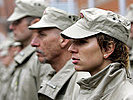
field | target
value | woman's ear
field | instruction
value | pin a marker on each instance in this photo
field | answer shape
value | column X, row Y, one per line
column 35, row 21
column 109, row 50
column 63, row 42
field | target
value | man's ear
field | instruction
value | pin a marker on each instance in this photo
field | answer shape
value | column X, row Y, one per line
column 63, row 42
column 35, row 21
column 109, row 50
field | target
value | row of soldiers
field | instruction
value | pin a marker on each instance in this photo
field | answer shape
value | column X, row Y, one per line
column 42, row 68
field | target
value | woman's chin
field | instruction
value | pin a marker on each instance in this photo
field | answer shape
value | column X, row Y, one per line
column 77, row 68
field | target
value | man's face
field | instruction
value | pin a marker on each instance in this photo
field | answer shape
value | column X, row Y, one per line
column 20, row 30
column 47, row 42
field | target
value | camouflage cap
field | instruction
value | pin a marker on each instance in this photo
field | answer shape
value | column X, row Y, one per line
column 94, row 21
column 129, row 15
column 54, row 17
column 27, row 8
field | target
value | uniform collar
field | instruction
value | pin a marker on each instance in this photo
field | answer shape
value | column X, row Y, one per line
column 22, row 55
column 105, row 80
column 53, row 86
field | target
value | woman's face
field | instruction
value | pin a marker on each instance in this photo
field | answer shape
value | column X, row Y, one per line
column 87, row 55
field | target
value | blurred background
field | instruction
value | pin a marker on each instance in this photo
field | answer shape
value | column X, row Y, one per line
column 72, row 6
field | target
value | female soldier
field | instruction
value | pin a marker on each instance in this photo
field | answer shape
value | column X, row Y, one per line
column 99, row 47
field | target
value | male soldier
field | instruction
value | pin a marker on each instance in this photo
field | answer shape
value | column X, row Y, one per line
column 7, row 53
column 8, row 49
column 130, row 40
column 52, row 49
column 129, row 16
column 25, row 79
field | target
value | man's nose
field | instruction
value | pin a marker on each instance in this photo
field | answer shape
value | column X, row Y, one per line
column 12, row 27
column 35, row 42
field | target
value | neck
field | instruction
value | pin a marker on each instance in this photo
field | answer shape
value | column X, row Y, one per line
column 26, row 43
column 60, row 61
column 99, row 68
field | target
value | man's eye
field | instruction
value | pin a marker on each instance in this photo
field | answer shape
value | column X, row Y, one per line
column 16, row 22
column 41, row 33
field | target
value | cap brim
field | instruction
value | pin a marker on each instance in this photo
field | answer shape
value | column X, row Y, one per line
column 42, row 24
column 16, row 16
column 76, row 32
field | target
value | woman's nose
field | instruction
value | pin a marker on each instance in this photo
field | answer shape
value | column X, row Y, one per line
column 72, row 49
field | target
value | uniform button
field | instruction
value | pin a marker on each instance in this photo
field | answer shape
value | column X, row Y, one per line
column 22, row 53
column 51, row 85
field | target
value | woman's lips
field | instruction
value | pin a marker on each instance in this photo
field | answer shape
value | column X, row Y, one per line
column 75, row 60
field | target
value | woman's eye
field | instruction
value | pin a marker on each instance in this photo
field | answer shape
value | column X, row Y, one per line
column 82, row 41
column 79, row 42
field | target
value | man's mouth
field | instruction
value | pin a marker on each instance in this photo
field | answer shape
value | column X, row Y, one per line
column 39, row 52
